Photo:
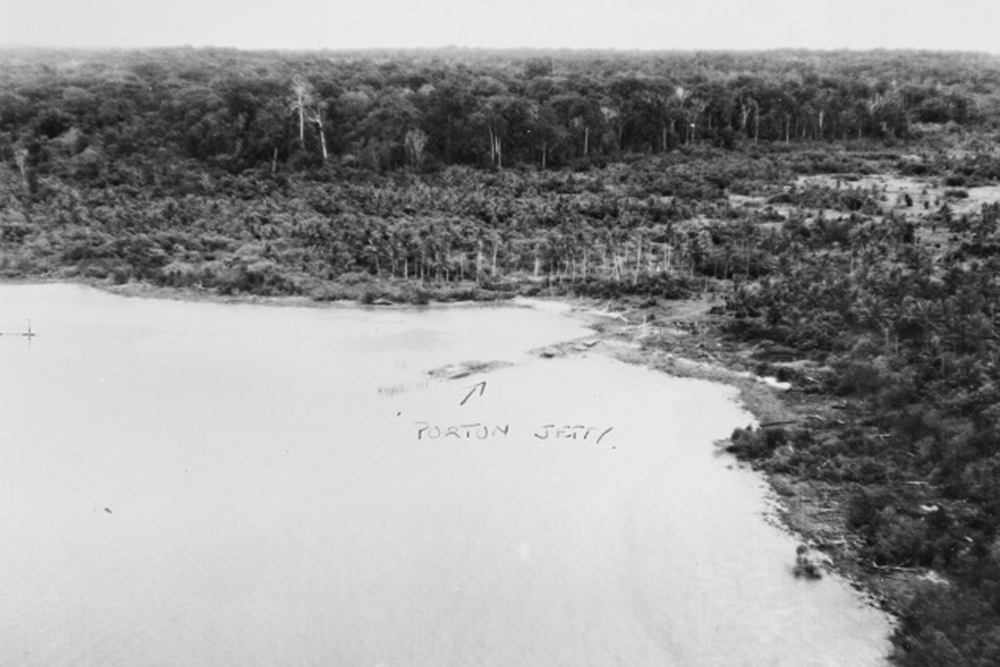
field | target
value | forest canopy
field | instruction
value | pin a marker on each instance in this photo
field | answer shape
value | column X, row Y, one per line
column 238, row 110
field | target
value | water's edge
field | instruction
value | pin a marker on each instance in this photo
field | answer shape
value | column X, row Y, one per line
column 565, row 355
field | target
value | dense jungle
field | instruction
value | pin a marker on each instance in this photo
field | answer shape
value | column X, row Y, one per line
column 840, row 211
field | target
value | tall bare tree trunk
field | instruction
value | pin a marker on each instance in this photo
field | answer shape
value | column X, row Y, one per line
column 318, row 119
column 744, row 117
column 322, row 141
column 21, row 157
column 638, row 263
column 301, row 89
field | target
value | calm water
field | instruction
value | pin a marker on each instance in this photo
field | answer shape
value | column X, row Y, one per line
column 194, row 484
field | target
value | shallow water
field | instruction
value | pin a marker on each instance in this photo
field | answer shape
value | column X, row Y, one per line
column 195, row 484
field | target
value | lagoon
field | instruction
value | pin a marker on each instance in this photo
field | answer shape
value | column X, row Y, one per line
column 211, row 484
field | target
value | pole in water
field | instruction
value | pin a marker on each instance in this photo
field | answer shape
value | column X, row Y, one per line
column 27, row 334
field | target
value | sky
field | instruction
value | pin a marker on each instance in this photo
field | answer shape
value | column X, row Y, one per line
column 967, row 25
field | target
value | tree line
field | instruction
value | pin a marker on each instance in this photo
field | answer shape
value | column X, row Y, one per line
column 243, row 110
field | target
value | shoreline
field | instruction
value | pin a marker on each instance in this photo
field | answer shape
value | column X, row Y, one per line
column 142, row 290
column 716, row 481
column 682, row 346
column 813, row 512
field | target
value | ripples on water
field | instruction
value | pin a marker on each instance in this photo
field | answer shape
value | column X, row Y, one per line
column 198, row 484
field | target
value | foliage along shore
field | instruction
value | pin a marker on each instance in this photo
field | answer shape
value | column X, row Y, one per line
column 841, row 210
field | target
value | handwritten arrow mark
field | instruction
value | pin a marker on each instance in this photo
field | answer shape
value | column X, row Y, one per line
column 479, row 386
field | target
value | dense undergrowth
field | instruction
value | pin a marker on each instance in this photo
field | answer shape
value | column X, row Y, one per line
column 906, row 333
column 186, row 170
